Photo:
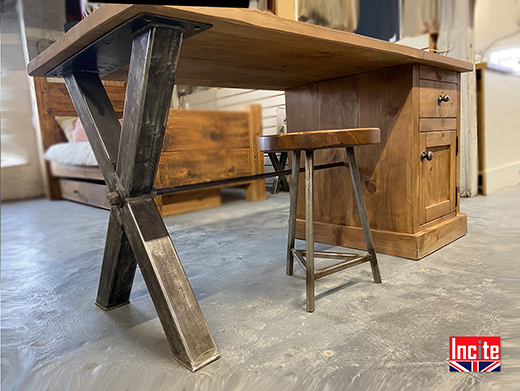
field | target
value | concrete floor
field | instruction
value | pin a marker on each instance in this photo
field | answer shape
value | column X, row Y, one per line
column 362, row 335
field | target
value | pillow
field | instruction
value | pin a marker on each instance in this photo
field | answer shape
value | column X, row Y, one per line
column 73, row 128
column 67, row 124
column 78, row 134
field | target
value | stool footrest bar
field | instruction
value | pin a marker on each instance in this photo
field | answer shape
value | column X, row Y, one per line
column 341, row 266
column 299, row 257
column 349, row 261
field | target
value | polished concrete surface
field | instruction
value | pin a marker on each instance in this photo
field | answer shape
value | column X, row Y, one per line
column 362, row 335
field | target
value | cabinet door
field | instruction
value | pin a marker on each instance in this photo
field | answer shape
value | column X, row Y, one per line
column 437, row 176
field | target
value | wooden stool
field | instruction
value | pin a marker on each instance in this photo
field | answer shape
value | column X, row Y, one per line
column 309, row 142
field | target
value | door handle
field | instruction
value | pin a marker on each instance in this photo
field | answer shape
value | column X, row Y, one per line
column 426, row 156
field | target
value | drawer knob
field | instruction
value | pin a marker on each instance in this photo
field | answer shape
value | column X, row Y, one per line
column 426, row 156
column 445, row 98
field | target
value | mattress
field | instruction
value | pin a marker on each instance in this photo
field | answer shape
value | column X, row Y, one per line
column 78, row 153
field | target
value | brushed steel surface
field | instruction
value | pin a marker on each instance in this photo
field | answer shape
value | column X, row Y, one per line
column 128, row 159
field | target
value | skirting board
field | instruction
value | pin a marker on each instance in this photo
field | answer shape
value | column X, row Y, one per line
column 412, row 246
column 497, row 178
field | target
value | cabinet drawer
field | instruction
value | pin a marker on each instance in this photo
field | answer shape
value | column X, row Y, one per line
column 429, row 99
column 437, row 74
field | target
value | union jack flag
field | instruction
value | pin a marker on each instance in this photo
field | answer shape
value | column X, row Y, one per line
column 474, row 366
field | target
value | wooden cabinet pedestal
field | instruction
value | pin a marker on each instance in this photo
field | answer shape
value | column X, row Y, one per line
column 410, row 180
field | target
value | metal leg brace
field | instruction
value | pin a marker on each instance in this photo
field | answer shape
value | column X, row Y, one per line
column 128, row 159
column 280, row 182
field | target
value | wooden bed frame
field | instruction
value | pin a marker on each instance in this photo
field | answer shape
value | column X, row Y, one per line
column 199, row 146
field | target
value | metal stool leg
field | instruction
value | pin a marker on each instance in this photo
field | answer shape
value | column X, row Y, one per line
column 309, row 227
column 295, row 176
column 356, row 182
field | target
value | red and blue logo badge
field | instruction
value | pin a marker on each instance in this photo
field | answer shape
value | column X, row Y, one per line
column 474, row 354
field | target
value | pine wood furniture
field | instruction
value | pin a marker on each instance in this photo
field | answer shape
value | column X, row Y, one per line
column 412, row 203
column 333, row 79
column 310, row 142
column 199, row 146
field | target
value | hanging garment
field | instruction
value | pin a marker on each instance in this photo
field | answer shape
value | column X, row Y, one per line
column 336, row 14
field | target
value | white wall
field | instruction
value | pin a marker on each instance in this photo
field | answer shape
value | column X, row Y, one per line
column 21, row 175
column 233, row 99
column 501, row 139
column 497, row 24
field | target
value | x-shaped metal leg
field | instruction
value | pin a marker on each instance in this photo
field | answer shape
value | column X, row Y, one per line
column 128, row 158
column 279, row 165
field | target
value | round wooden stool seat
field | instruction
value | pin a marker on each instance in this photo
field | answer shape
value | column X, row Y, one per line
column 319, row 139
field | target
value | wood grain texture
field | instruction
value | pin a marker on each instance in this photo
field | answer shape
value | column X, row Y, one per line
column 437, row 74
column 185, row 167
column 430, row 91
column 255, row 191
column 52, row 99
column 404, row 198
column 49, row 133
column 84, row 192
column 439, row 235
column 436, row 124
column 438, row 176
column 412, row 246
column 78, row 172
column 190, row 201
column 320, row 139
column 61, row 104
column 187, row 131
column 366, row 101
column 438, row 210
column 193, row 130
column 249, row 49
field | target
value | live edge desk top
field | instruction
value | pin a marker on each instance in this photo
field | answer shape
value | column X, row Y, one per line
column 247, row 49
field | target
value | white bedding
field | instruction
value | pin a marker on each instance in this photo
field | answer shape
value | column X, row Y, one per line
column 79, row 153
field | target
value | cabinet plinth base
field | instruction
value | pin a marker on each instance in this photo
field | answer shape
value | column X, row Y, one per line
column 412, row 246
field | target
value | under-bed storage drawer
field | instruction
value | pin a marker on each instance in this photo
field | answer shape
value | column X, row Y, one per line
column 84, row 192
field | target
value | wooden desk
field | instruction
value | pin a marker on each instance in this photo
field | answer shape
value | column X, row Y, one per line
column 333, row 79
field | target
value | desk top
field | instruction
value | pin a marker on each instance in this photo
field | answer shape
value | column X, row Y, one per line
column 248, row 49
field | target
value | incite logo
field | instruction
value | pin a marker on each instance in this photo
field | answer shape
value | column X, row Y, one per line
column 474, row 354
